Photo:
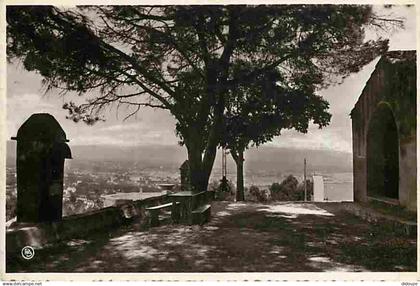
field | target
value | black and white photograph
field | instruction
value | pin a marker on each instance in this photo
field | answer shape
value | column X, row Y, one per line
column 210, row 138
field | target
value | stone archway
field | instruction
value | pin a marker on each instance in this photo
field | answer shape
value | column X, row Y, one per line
column 382, row 154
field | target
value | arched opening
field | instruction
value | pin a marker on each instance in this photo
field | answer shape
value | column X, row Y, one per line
column 382, row 154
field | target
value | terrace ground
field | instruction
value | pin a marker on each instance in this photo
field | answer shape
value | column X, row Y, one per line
column 241, row 237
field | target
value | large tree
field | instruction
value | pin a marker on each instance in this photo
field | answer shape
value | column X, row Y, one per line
column 180, row 58
column 259, row 110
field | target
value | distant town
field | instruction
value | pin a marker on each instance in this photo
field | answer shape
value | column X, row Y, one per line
column 93, row 184
column 88, row 186
column 99, row 176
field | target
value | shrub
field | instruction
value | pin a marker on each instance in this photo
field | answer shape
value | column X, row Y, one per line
column 223, row 190
column 286, row 191
column 309, row 190
column 257, row 195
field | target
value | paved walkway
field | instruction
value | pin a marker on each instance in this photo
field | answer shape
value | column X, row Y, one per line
column 281, row 237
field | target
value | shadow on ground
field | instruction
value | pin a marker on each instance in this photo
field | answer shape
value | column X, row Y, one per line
column 242, row 237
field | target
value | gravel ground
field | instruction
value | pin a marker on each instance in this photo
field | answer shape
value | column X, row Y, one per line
column 241, row 237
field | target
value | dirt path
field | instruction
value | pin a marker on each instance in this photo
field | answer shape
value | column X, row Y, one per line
column 282, row 237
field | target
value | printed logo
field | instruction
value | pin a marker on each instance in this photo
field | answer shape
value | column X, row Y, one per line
column 28, row 252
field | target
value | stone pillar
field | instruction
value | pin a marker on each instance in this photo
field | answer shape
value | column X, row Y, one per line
column 185, row 176
column 41, row 150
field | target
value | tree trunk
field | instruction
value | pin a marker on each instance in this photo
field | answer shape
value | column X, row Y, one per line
column 201, row 158
column 197, row 180
column 239, row 160
column 199, row 167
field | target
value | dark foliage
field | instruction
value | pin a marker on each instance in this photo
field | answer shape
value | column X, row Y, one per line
column 223, row 190
column 257, row 194
column 286, row 191
column 191, row 60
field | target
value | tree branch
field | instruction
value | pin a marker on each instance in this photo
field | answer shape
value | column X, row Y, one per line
column 235, row 81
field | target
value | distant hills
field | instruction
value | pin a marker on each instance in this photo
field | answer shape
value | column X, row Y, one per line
column 289, row 159
column 149, row 155
column 265, row 158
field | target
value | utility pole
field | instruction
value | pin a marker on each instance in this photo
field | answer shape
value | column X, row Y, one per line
column 224, row 159
column 224, row 171
column 304, row 176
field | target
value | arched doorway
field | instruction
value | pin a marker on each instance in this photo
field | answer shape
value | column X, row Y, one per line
column 382, row 154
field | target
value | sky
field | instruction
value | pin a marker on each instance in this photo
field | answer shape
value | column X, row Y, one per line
column 25, row 95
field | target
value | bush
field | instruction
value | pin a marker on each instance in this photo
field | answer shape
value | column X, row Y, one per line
column 309, row 190
column 223, row 190
column 257, row 195
column 286, row 191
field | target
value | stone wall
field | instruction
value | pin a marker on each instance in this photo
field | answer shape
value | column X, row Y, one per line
column 393, row 85
column 408, row 174
column 78, row 226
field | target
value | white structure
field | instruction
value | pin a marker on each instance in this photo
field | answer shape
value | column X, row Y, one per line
column 319, row 191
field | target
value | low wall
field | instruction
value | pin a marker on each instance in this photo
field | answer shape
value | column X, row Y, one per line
column 78, row 226
column 397, row 224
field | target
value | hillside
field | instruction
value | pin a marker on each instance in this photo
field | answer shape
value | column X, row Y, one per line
column 261, row 159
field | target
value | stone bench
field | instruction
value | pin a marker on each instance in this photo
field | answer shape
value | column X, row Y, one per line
column 155, row 210
column 201, row 215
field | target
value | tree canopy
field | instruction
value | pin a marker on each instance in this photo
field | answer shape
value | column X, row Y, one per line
column 260, row 110
column 188, row 59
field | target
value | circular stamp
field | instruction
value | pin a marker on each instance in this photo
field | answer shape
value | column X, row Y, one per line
column 28, row 252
